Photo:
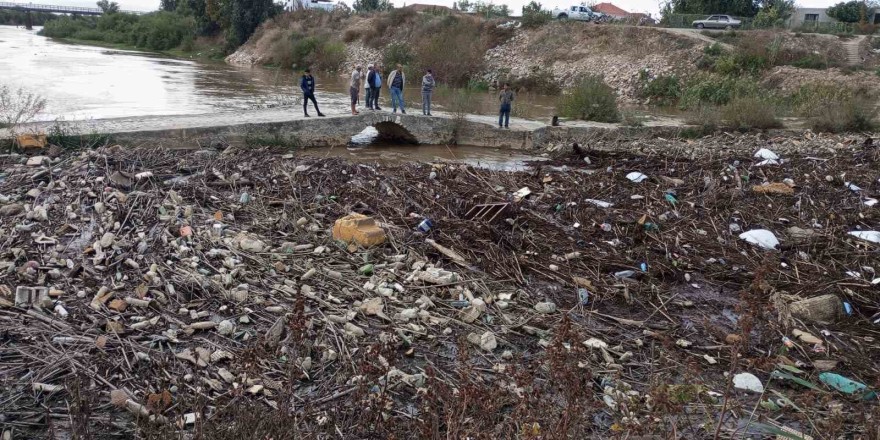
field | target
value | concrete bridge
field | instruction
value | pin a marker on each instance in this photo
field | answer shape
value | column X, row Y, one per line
column 281, row 126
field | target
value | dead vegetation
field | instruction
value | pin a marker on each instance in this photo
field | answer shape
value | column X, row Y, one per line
column 202, row 295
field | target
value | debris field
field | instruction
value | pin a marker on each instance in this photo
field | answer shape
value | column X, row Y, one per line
column 254, row 293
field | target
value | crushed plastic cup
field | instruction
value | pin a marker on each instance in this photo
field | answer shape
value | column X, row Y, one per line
column 583, row 296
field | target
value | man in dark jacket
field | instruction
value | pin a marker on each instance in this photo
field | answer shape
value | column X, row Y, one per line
column 374, row 81
column 307, row 84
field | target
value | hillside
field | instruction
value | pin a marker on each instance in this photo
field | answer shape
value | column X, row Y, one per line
column 468, row 51
column 551, row 57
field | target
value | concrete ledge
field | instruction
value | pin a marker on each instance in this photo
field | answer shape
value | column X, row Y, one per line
column 281, row 127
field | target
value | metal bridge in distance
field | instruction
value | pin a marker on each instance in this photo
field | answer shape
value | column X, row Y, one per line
column 58, row 9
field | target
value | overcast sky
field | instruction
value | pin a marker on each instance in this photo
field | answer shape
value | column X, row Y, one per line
column 648, row 6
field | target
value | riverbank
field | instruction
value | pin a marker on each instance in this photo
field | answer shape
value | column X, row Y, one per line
column 207, row 52
column 204, row 293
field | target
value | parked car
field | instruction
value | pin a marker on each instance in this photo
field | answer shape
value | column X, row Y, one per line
column 717, row 22
column 577, row 12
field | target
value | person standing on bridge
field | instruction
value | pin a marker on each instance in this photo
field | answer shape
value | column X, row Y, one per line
column 396, row 81
column 354, row 88
column 307, row 84
column 376, row 83
column 506, row 97
column 428, row 84
column 368, row 86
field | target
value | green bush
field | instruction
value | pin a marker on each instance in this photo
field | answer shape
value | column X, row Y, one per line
column 741, row 63
column 713, row 49
column 591, row 100
column 534, row 16
column 300, row 52
column 161, row 30
column 397, row 53
column 663, row 90
column 716, row 90
column 67, row 27
column 156, row 31
column 750, row 112
column 811, row 61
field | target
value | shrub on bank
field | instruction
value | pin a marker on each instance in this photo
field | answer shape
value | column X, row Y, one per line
column 397, row 53
column 811, row 61
column 750, row 112
column 662, row 90
column 452, row 67
column 591, row 100
column 835, row 109
column 161, row 30
column 299, row 51
column 67, row 26
column 155, row 31
column 717, row 90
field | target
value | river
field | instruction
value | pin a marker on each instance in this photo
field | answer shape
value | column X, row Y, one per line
column 82, row 82
column 90, row 82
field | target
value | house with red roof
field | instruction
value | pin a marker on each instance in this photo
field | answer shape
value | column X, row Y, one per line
column 611, row 10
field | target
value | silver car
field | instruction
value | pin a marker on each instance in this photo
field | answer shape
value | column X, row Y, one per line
column 717, row 22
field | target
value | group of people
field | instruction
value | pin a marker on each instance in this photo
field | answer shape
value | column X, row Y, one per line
column 372, row 82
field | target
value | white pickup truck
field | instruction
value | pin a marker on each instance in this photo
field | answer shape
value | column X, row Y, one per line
column 578, row 12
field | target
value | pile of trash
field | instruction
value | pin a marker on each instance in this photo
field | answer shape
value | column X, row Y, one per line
column 184, row 291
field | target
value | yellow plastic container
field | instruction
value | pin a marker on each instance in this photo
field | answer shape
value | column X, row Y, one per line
column 360, row 229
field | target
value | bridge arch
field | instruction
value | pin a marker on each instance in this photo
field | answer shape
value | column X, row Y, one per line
column 390, row 131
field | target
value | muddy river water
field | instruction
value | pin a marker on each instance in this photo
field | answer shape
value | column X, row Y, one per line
column 81, row 82
column 85, row 82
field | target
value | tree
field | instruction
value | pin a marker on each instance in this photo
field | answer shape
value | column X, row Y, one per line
column 108, row 7
column 168, row 5
column 206, row 14
column 241, row 18
column 534, row 16
column 465, row 5
column 852, row 11
column 490, row 10
column 774, row 13
column 362, row 6
column 743, row 8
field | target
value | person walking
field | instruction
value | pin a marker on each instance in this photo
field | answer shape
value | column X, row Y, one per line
column 428, row 84
column 377, row 85
column 506, row 97
column 354, row 88
column 368, row 87
column 396, row 81
column 307, row 84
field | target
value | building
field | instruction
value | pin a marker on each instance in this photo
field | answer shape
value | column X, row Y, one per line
column 808, row 16
column 611, row 10
column 819, row 16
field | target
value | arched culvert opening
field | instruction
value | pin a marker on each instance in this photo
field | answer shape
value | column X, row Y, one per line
column 390, row 132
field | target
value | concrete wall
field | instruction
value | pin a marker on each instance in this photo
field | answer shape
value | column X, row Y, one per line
column 799, row 16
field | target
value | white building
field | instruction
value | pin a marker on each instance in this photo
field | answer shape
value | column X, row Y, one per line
column 294, row 5
column 816, row 16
